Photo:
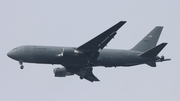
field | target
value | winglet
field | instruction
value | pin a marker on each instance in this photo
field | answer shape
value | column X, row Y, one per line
column 153, row 51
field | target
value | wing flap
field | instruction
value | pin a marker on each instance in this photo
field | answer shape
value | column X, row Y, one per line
column 104, row 43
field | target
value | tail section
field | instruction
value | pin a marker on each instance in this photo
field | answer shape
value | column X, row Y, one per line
column 149, row 41
column 153, row 52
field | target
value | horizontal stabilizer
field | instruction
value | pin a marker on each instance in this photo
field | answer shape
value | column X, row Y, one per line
column 153, row 51
column 152, row 64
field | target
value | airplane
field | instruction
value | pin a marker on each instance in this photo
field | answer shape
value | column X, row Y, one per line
column 81, row 60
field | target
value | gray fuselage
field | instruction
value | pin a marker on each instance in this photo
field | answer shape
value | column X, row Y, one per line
column 68, row 57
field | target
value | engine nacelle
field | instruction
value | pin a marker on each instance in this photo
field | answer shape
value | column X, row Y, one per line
column 62, row 72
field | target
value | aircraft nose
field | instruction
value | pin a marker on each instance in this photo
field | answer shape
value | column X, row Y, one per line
column 11, row 54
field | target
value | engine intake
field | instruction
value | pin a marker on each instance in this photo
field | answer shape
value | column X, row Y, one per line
column 62, row 72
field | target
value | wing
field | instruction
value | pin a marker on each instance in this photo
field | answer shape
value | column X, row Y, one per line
column 100, row 41
column 90, row 77
column 83, row 73
column 91, row 48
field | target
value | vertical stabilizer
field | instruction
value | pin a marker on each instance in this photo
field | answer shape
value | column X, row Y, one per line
column 149, row 41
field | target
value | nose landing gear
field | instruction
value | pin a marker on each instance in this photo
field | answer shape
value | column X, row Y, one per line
column 21, row 63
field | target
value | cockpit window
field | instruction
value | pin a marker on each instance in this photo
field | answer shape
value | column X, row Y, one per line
column 14, row 49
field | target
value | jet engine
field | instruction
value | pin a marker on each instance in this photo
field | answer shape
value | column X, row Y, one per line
column 62, row 72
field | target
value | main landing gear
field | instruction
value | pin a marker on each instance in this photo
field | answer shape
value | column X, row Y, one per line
column 85, row 72
column 21, row 63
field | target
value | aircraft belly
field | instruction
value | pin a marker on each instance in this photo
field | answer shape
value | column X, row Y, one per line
column 121, row 61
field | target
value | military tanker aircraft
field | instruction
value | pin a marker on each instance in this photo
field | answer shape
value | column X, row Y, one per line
column 81, row 60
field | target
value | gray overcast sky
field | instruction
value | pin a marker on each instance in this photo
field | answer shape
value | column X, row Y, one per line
column 72, row 23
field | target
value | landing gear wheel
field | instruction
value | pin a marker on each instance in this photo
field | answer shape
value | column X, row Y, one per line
column 21, row 63
column 21, row 67
column 81, row 77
